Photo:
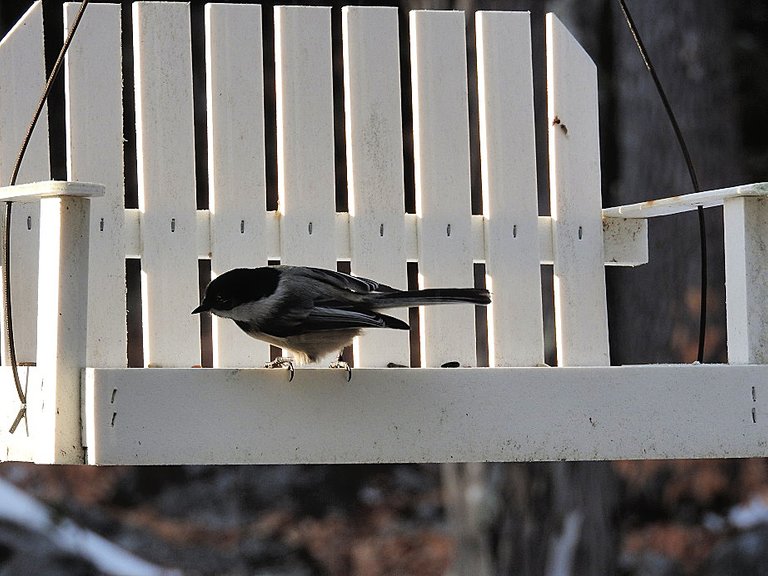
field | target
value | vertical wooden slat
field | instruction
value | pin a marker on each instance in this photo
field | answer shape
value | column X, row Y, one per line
column 236, row 161
column 305, row 144
column 374, row 133
column 22, row 78
column 746, row 273
column 166, row 177
column 581, row 319
column 508, row 160
column 93, row 79
column 441, row 157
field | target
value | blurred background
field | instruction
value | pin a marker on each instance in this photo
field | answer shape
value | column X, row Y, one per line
column 632, row 518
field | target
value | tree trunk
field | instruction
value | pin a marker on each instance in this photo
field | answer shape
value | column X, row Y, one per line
column 654, row 309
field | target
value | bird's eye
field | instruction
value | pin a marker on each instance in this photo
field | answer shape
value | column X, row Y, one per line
column 221, row 301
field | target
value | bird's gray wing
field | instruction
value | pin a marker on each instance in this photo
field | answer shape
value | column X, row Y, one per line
column 343, row 281
column 323, row 318
column 297, row 316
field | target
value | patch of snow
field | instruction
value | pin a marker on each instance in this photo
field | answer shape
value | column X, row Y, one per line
column 18, row 507
column 714, row 522
column 749, row 515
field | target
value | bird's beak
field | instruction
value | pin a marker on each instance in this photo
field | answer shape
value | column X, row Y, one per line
column 201, row 308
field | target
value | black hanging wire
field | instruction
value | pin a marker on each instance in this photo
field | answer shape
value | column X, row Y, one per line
column 9, row 210
column 691, row 172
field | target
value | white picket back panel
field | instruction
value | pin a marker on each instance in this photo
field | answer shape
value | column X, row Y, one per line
column 305, row 143
column 375, row 169
column 166, row 177
column 510, row 200
column 581, row 316
column 22, row 78
column 94, row 105
column 236, row 161
column 441, row 164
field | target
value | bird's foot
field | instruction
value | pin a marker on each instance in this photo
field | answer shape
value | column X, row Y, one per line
column 344, row 366
column 282, row 362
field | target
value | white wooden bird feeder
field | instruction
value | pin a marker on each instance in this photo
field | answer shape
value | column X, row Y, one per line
column 69, row 251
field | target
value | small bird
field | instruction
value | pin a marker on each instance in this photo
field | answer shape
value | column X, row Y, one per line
column 313, row 312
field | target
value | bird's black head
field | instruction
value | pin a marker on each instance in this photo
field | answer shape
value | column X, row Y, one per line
column 237, row 287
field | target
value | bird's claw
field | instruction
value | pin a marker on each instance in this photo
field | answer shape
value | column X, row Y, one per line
column 344, row 366
column 283, row 362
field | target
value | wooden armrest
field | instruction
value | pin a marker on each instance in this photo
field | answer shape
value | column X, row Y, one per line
column 685, row 203
column 50, row 189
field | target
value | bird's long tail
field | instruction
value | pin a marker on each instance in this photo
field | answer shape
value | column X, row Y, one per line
column 432, row 296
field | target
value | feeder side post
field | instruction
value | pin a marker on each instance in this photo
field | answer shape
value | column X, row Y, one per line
column 746, row 279
column 54, row 405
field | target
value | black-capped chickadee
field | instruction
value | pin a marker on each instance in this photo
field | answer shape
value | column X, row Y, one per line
column 313, row 312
